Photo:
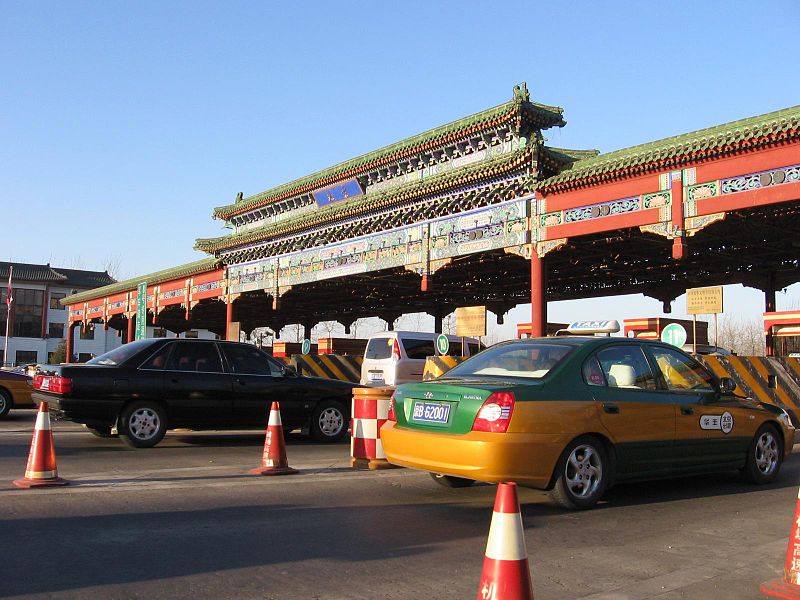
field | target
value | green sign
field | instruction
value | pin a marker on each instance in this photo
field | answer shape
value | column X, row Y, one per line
column 141, row 311
column 306, row 347
column 674, row 334
column 442, row 344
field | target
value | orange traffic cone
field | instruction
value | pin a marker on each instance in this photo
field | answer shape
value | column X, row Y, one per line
column 42, row 470
column 274, row 462
column 506, row 575
column 788, row 587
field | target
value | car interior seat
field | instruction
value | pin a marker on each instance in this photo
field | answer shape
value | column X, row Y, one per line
column 623, row 376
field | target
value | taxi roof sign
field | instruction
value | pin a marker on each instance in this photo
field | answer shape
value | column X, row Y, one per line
column 591, row 327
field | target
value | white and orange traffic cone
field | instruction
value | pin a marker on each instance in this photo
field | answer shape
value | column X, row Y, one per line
column 788, row 587
column 273, row 461
column 506, row 575
column 41, row 470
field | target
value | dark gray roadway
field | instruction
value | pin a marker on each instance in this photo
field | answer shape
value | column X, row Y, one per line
column 184, row 520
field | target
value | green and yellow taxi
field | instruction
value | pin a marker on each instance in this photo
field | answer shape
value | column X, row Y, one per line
column 15, row 391
column 574, row 415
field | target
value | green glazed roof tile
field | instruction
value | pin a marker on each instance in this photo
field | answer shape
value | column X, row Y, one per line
column 545, row 116
column 192, row 268
column 363, row 204
column 636, row 158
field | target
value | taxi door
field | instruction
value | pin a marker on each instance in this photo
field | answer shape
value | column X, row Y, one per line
column 639, row 417
column 710, row 431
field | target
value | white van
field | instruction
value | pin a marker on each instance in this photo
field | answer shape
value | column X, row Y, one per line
column 395, row 357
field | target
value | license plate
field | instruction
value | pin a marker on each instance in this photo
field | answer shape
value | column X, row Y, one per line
column 431, row 412
column 45, row 383
column 376, row 376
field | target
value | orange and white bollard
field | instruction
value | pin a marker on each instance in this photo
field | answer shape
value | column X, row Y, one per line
column 273, row 460
column 41, row 470
column 788, row 588
column 506, row 575
column 370, row 410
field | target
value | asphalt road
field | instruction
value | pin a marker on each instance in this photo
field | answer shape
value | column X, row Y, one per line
column 185, row 520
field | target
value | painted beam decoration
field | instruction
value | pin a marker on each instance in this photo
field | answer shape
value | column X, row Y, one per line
column 498, row 226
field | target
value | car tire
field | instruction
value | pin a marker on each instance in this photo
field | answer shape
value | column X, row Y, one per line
column 101, row 431
column 142, row 424
column 329, row 421
column 6, row 402
column 764, row 456
column 582, row 474
column 450, row 481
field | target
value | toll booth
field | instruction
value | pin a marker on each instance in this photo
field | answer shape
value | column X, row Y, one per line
column 280, row 349
column 782, row 333
column 524, row 329
column 650, row 329
column 342, row 346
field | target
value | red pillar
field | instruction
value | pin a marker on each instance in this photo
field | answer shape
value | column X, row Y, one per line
column 538, row 303
column 130, row 329
column 679, row 249
column 228, row 319
column 70, row 341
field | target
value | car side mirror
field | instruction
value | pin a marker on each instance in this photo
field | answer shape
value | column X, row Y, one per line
column 727, row 385
column 289, row 371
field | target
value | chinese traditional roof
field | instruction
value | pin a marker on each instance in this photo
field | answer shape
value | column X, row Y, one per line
column 737, row 136
column 374, row 201
column 187, row 270
column 542, row 116
column 46, row 274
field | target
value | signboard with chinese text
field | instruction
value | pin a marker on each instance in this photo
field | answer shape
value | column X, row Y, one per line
column 141, row 311
column 471, row 321
column 704, row 300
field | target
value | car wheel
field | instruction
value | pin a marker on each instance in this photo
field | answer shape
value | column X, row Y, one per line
column 101, row 431
column 329, row 422
column 5, row 403
column 764, row 456
column 451, row 481
column 582, row 474
column 142, row 424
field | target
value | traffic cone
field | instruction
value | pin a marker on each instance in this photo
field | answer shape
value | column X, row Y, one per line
column 788, row 587
column 273, row 461
column 506, row 575
column 42, row 470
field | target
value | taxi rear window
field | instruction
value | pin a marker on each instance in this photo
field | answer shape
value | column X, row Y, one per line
column 529, row 361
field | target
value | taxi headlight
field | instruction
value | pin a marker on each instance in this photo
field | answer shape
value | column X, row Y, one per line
column 785, row 420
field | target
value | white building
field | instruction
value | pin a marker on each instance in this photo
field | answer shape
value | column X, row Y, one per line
column 38, row 321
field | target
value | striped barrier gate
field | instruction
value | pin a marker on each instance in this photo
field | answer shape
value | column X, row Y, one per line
column 329, row 366
column 436, row 366
column 752, row 376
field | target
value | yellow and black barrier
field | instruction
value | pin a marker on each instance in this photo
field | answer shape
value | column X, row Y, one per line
column 329, row 366
column 436, row 366
column 752, row 375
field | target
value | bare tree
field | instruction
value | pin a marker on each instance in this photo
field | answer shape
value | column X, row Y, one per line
column 413, row 322
column 327, row 328
column 742, row 336
column 112, row 265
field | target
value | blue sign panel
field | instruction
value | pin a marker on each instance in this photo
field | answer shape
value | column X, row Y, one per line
column 340, row 191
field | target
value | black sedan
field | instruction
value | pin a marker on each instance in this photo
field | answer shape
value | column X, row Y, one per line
column 148, row 386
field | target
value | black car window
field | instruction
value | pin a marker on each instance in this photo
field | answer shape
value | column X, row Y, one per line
column 419, row 348
column 626, row 367
column 249, row 360
column 159, row 359
column 201, row 357
column 592, row 372
column 680, row 372
column 117, row 356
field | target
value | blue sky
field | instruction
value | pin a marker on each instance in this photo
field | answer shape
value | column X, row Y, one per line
column 125, row 124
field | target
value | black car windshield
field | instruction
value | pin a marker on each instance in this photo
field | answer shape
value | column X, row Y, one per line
column 523, row 359
column 117, row 356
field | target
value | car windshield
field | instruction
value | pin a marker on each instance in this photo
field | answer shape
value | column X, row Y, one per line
column 531, row 361
column 121, row 354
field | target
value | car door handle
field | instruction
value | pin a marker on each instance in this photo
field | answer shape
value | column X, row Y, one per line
column 611, row 409
column 240, row 381
column 687, row 410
